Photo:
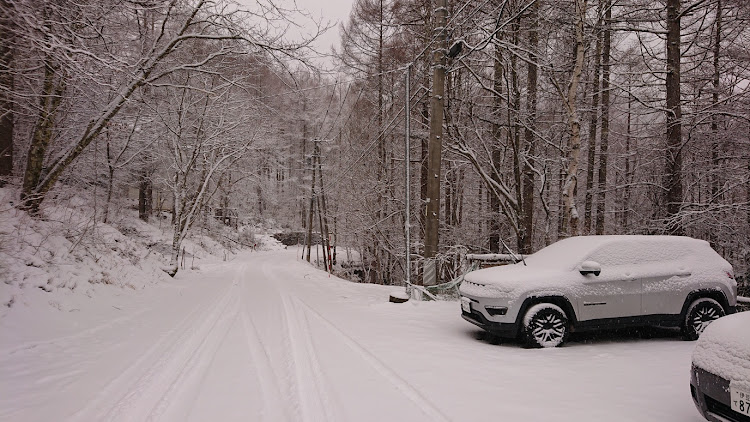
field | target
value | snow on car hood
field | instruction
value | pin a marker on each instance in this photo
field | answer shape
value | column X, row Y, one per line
column 509, row 280
column 724, row 348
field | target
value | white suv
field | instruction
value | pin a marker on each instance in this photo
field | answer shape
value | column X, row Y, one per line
column 595, row 282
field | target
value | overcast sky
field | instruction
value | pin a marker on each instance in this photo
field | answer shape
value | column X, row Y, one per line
column 336, row 11
column 333, row 11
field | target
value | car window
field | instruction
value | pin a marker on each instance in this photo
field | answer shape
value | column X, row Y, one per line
column 566, row 254
column 636, row 251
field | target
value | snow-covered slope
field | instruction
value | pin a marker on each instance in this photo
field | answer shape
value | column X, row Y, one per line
column 67, row 262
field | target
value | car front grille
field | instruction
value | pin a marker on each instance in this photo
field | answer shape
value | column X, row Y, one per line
column 723, row 410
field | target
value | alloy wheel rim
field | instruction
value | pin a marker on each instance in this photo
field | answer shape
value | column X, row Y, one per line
column 703, row 317
column 548, row 329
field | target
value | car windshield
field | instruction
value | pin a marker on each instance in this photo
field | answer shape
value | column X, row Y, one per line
column 565, row 254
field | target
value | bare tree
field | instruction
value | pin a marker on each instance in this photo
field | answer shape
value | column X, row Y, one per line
column 61, row 30
column 208, row 129
column 574, row 125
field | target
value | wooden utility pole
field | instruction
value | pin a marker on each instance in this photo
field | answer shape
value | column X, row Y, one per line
column 323, row 213
column 434, row 151
column 312, row 208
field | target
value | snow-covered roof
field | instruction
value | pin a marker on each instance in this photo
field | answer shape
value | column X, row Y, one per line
column 569, row 252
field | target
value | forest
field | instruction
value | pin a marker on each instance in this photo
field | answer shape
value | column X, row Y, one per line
column 529, row 121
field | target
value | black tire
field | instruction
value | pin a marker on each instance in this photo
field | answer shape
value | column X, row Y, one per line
column 545, row 325
column 699, row 315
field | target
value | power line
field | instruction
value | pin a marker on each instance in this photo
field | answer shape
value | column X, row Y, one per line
column 361, row 78
column 372, row 143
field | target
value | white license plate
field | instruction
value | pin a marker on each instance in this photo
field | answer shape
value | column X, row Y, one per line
column 466, row 305
column 740, row 400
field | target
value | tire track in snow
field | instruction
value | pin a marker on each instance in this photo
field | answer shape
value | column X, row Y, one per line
column 275, row 409
column 282, row 274
column 155, row 364
column 184, row 373
column 401, row 384
column 312, row 389
column 303, row 377
column 72, row 338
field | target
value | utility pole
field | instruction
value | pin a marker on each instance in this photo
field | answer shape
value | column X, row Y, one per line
column 323, row 213
column 434, row 150
column 312, row 208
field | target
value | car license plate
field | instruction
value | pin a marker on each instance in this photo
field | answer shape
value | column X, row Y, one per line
column 466, row 305
column 740, row 400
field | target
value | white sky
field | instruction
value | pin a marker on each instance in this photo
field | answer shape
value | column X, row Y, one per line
column 331, row 11
column 335, row 11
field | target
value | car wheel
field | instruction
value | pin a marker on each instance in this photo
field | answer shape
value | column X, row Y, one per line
column 545, row 325
column 699, row 315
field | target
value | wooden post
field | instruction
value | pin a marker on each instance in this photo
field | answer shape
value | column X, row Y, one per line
column 434, row 150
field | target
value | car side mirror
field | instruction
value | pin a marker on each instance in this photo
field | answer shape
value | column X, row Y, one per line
column 590, row 267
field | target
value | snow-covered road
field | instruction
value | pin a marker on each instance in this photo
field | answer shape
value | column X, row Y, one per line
column 267, row 337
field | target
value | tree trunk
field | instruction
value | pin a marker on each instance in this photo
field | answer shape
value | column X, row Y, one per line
column 259, row 192
column 423, row 150
column 497, row 151
column 514, row 132
column 111, row 168
column 177, row 237
column 716, row 144
column 591, row 164
column 448, row 192
column 673, row 183
column 110, row 183
column 604, row 143
column 526, row 219
column 459, row 210
column 381, row 169
column 574, row 124
column 145, row 197
column 628, row 172
column 6, row 96
column 49, row 101
column 562, row 221
column 304, row 163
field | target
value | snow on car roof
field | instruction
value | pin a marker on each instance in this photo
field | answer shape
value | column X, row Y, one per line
column 724, row 348
column 566, row 253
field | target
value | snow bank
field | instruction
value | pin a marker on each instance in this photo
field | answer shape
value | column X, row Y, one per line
column 67, row 256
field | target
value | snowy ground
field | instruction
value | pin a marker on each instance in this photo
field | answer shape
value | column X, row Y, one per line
column 266, row 337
